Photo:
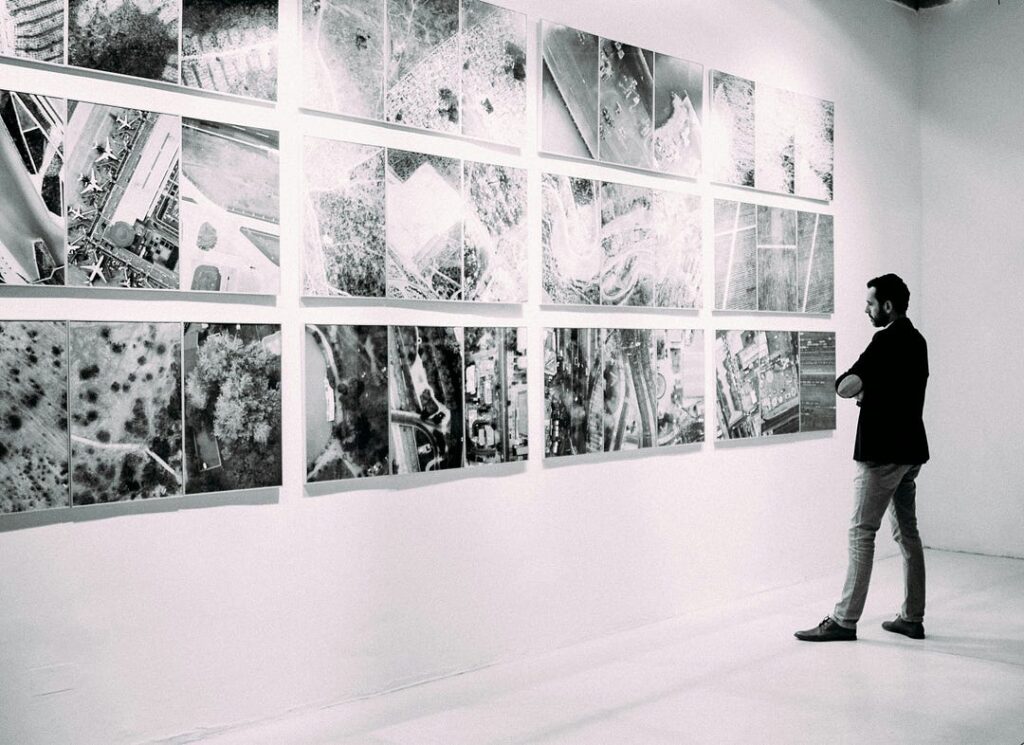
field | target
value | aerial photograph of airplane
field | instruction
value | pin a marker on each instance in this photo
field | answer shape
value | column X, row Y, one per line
column 124, row 121
column 106, row 153
column 91, row 184
column 96, row 270
column 77, row 215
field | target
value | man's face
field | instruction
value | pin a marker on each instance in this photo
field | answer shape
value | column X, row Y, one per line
column 880, row 315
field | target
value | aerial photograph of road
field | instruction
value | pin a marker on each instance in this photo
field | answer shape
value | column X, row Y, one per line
column 735, row 255
column 573, row 392
column 630, row 389
column 626, row 96
column 493, row 73
column 679, row 357
column 569, row 237
column 758, row 383
column 628, row 243
column 122, row 197
column 569, row 111
column 33, row 29
column 497, row 428
column 31, row 201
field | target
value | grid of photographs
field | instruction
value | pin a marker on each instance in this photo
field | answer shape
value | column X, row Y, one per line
column 774, row 382
column 770, row 139
column 402, row 399
column 772, row 259
column 622, row 389
column 616, row 103
column 447, row 66
column 392, row 223
column 618, row 245
column 98, row 411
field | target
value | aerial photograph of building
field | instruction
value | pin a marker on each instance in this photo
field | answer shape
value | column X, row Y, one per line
column 33, row 29
column 497, row 428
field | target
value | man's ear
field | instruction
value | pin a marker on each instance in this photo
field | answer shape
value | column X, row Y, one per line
column 887, row 307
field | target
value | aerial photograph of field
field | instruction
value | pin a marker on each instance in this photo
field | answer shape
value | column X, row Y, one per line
column 574, row 402
column 343, row 219
column 122, row 197
column 230, row 208
column 774, row 135
column 569, row 109
column 33, row 29
column 494, row 234
column 125, row 409
column 731, row 149
column 735, row 255
column 425, row 207
column 814, row 147
column 626, row 93
column 679, row 256
column 678, row 103
column 232, row 406
column 815, row 244
column 129, row 37
column 497, row 403
column 628, row 243
column 33, row 416
column 679, row 361
column 569, row 237
column 817, row 381
column 777, row 282
column 32, row 200
column 758, row 383
column 427, row 421
column 423, row 67
column 493, row 73
column 343, row 56
column 630, row 389
column 230, row 46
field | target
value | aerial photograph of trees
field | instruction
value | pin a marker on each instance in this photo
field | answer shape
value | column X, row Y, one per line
column 130, row 37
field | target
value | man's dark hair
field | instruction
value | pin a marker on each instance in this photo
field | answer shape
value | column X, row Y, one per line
column 891, row 287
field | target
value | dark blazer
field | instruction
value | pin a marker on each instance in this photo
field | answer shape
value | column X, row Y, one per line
column 894, row 369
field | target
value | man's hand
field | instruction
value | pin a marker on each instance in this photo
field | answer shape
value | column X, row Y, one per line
column 851, row 386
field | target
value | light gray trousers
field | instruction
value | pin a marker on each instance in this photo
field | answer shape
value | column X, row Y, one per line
column 879, row 486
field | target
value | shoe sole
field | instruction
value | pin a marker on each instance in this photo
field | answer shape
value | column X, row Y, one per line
column 826, row 639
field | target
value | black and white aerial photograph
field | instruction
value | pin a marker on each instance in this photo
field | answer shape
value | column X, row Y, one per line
column 497, row 400
column 33, row 29
column 678, row 107
column 572, row 252
column 343, row 219
column 731, row 150
column 735, row 255
column 32, row 199
column 494, row 234
column 814, row 148
column 493, row 73
column 679, row 371
column 230, row 46
column 425, row 208
column 232, row 406
column 817, row 381
column 758, row 383
column 33, row 416
column 125, row 410
column 628, row 244
column 774, row 135
column 569, row 108
column 679, row 252
column 626, row 103
column 423, row 64
column 426, row 393
column 129, row 37
column 346, row 393
column 230, row 208
column 630, row 389
column 122, row 197
column 574, row 400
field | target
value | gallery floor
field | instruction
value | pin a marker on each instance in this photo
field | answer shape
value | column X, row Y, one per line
column 734, row 675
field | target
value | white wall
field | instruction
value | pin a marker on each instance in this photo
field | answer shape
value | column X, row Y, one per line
column 972, row 119
column 136, row 622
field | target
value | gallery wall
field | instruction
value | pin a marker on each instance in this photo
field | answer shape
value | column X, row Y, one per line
column 972, row 107
column 159, row 619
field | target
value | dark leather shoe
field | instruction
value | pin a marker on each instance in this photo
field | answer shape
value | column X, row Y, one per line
column 827, row 631
column 913, row 629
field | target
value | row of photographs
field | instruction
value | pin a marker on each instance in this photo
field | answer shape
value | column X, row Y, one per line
column 96, row 412
column 391, row 223
column 106, row 196
column 404, row 399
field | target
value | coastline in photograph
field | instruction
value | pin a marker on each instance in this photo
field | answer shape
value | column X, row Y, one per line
column 424, row 211
column 494, row 231
column 679, row 252
column 232, row 406
column 230, row 208
column 569, row 110
column 122, row 197
column 678, row 106
column 814, row 147
column 815, row 244
column 630, row 389
column 129, row 37
column 33, row 29
column 731, row 147
column 817, row 381
column 31, row 201
column 626, row 96
column 774, row 138
column 569, row 237
column 573, row 392
column 343, row 219
column 230, row 46
column 493, row 73
column 343, row 56
column 735, row 255
column 423, row 67
column 497, row 401
column 679, row 360
column 628, row 245
column 33, row 416
column 758, row 383
column 125, row 409
column 346, row 390
column 425, row 369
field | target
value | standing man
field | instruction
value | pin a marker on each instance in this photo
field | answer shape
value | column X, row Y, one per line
column 888, row 381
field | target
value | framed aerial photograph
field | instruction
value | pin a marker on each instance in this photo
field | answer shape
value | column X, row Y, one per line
column 232, row 406
column 569, row 106
column 574, row 399
column 139, row 38
column 678, row 110
column 32, row 199
column 731, row 146
column 125, row 410
column 630, row 389
column 572, row 253
column 679, row 253
column 626, row 104
column 628, row 244
column 497, row 400
column 758, row 383
column 493, row 73
column 122, row 197
column 346, row 391
column 32, row 29
column 34, row 421
column 679, row 385
column 494, row 234
column 817, row 381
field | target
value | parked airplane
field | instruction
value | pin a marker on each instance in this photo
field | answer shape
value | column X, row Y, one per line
column 106, row 153
column 96, row 270
column 76, row 214
column 91, row 184
column 125, row 121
